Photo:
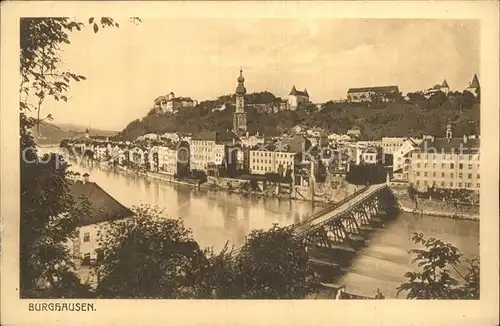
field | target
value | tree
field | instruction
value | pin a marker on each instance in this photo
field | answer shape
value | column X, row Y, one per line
column 435, row 280
column 150, row 256
column 274, row 264
column 49, row 214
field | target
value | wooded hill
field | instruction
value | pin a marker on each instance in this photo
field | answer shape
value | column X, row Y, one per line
column 412, row 117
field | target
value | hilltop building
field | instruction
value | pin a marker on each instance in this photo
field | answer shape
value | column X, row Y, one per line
column 296, row 98
column 437, row 88
column 240, row 115
column 368, row 94
column 171, row 103
column 474, row 86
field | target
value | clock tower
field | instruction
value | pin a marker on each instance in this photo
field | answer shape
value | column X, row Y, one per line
column 240, row 115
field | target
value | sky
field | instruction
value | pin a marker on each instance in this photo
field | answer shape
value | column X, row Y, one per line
column 128, row 67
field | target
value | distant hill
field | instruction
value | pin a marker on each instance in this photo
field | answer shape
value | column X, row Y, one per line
column 53, row 134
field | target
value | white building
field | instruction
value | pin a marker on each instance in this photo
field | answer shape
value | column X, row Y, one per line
column 103, row 209
column 209, row 147
column 295, row 98
column 271, row 159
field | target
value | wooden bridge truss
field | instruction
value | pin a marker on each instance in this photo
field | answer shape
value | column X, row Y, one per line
column 348, row 229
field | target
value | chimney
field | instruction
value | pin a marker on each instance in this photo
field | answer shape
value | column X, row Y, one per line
column 465, row 139
column 86, row 178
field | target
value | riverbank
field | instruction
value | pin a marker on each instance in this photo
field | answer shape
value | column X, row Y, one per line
column 435, row 208
column 205, row 186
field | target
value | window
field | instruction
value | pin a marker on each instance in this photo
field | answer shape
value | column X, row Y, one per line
column 442, row 174
column 452, row 165
column 442, row 183
column 433, row 174
column 425, row 165
column 460, row 166
column 469, row 176
column 477, row 176
column 451, row 184
column 433, row 165
column 425, row 182
column 418, row 174
column 86, row 259
column 86, row 237
column 470, row 166
column 451, row 175
column 418, row 182
column 418, row 155
column 478, row 185
column 425, row 174
column 418, row 165
column 460, row 175
column 443, row 165
column 459, row 185
column 469, row 185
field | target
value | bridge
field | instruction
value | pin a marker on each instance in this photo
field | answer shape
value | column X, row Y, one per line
column 333, row 234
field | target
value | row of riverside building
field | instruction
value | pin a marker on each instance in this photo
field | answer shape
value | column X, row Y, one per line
column 445, row 162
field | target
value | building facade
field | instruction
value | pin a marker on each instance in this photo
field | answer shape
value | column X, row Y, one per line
column 209, row 148
column 296, row 98
column 369, row 94
column 448, row 162
column 474, row 86
column 103, row 209
column 270, row 160
column 240, row 115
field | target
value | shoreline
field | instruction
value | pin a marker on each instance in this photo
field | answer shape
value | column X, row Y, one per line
column 453, row 216
column 171, row 180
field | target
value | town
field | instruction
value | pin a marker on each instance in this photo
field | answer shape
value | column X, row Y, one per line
column 276, row 179
column 306, row 163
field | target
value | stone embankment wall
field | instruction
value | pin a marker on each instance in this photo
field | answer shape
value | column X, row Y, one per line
column 434, row 207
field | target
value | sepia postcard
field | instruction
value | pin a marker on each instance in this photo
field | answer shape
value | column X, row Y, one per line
column 249, row 163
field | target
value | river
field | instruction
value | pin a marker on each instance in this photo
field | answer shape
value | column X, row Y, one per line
column 217, row 217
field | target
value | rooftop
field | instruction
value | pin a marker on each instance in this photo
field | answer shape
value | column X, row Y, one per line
column 376, row 89
column 453, row 145
column 103, row 206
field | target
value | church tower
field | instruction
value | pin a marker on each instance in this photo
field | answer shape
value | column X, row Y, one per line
column 240, row 115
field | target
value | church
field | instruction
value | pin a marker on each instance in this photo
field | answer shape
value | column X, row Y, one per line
column 240, row 114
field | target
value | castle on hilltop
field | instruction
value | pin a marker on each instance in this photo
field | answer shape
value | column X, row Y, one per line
column 171, row 103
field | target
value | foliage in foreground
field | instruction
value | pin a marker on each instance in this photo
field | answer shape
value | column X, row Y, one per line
column 151, row 256
column 437, row 261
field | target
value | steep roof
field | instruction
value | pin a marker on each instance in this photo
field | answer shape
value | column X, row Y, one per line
column 217, row 136
column 103, row 206
column 475, row 82
column 295, row 92
column 445, row 84
column 376, row 89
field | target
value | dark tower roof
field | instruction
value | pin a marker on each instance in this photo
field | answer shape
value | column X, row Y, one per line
column 445, row 84
column 240, row 89
column 475, row 82
column 295, row 92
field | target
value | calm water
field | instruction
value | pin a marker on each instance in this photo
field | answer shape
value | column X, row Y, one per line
column 217, row 217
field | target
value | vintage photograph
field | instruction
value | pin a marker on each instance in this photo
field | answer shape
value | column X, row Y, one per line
column 238, row 158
